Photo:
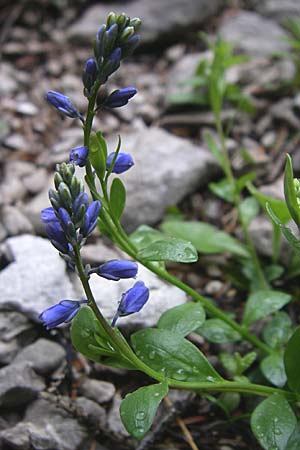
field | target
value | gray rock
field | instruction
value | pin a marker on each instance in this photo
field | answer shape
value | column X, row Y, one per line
column 47, row 426
column 279, row 9
column 283, row 111
column 167, row 168
column 162, row 297
column 163, row 21
column 16, row 142
column 43, row 355
column 93, row 413
column 33, row 208
column 35, row 182
column 19, row 385
column 27, row 109
column 114, row 424
column 36, row 279
column 97, row 390
column 253, row 34
column 15, row 222
column 98, row 253
column 15, row 332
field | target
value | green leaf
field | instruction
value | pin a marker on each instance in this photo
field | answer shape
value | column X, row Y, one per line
column 249, row 209
column 205, row 238
column 273, row 422
column 222, row 189
column 172, row 355
column 117, row 198
column 89, row 338
column 169, row 249
column 262, row 303
column 289, row 191
column 244, row 179
column 278, row 331
column 294, row 439
column 286, row 231
column 273, row 272
column 98, row 153
column 278, row 206
column 218, row 331
column 273, row 369
column 236, row 364
column 138, row 409
column 145, row 235
column 214, row 148
column 292, row 360
column 183, row 319
column 83, row 330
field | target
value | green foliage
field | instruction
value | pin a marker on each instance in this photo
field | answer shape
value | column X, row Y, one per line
column 117, row 198
column 218, row 332
column 278, row 331
column 210, row 85
column 290, row 193
column 273, row 422
column 182, row 319
column 235, row 364
column 138, row 409
column 292, row 360
column 205, row 238
column 273, row 369
column 156, row 246
column 262, row 303
column 98, row 153
column 172, row 355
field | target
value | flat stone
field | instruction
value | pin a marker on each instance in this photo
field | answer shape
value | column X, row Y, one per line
column 36, row 279
column 16, row 142
column 114, row 424
column 99, row 253
column 163, row 296
column 19, row 385
column 97, row 390
column 91, row 412
column 167, row 168
column 253, row 34
column 43, row 355
column 15, row 222
column 35, row 182
column 27, row 109
column 161, row 21
column 33, row 208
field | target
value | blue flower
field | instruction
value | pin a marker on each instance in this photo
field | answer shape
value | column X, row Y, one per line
column 48, row 215
column 132, row 301
column 91, row 217
column 57, row 236
column 120, row 97
column 123, row 162
column 63, row 104
column 116, row 269
column 89, row 75
column 78, row 156
column 62, row 312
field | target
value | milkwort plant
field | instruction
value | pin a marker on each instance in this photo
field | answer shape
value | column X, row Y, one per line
column 164, row 353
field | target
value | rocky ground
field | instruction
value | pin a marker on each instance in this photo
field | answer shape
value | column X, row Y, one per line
column 51, row 397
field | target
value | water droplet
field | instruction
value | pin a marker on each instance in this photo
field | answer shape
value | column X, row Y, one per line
column 163, row 369
column 140, row 430
column 180, row 375
column 277, row 431
column 140, row 415
column 152, row 354
column 195, row 369
column 84, row 334
column 156, row 394
column 209, row 378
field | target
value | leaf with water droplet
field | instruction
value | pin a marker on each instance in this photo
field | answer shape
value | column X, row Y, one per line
column 272, row 422
column 273, row 369
column 180, row 359
column 169, row 249
column 138, row 409
column 183, row 319
column 218, row 331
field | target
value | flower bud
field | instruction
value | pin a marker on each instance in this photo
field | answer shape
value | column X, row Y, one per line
column 122, row 21
column 62, row 312
column 110, row 39
column 99, row 43
column 79, row 156
column 116, row 269
column 135, row 22
column 63, row 104
column 111, row 19
column 91, row 218
column 123, row 162
column 65, row 196
column 132, row 301
column 48, row 215
column 57, row 237
column 126, row 34
column 120, row 97
column 129, row 47
column 89, row 75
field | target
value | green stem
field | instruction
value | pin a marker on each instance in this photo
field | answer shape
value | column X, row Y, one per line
column 237, row 202
column 122, row 239
column 219, row 386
